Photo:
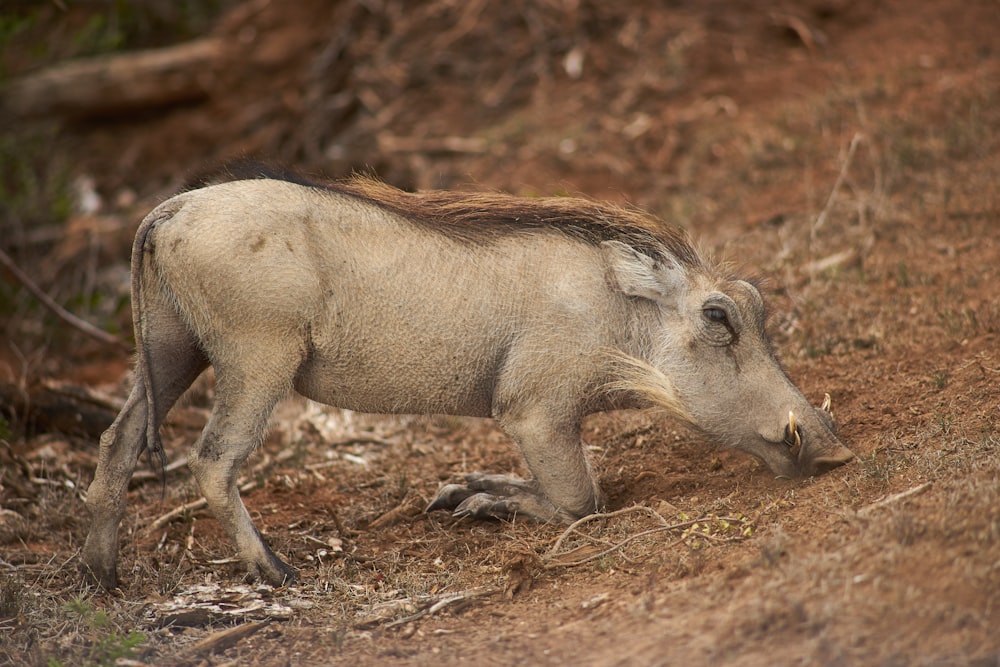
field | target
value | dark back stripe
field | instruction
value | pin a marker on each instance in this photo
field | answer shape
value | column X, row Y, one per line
column 483, row 217
column 480, row 218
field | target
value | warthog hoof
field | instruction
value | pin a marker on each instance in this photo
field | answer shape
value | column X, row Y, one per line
column 485, row 496
column 278, row 576
column 270, row 569
column 105, row 577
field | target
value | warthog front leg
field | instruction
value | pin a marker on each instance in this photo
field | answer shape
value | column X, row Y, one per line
column 562, row 489
column 486, row 496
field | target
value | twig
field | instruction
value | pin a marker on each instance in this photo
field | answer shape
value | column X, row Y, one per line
column 604, row 515
column 60, row 312
column 192, row 506
column 406, row 508
column 223, row 639
column 553, row 553
column 799, row 27
column 442, row 603
column 551, row 565
column 894, row 498
column 834, row 261
column 84, row 394
column 393, row 144
column 140, row 476
column 821, row 218
column 124, row 82
column 341, row 528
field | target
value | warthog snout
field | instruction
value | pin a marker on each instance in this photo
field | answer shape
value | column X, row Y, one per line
column 757, row 410
column 815, row 449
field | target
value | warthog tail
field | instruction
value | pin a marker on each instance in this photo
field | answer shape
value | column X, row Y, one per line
column 153, row 445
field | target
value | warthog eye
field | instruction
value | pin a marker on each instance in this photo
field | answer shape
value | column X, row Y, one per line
column 716, row 315
column 722, row 318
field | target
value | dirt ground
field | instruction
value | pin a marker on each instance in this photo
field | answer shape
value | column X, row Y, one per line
column 845, row 154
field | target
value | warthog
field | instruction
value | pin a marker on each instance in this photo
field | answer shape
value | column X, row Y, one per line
column 535, row 312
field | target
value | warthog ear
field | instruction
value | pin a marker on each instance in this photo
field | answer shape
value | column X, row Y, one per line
column 638, row 274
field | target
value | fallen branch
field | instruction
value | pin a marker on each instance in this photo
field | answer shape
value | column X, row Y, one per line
column 224, row 639
column 84, row 394
column 809, row 37
column 408, row 507
column 834, row 261
column 47, row 407
column 60, row 312
column 117, row 83
column 393, row 144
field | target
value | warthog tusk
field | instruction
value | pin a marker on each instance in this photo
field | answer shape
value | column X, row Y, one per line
column 794, row 440
column 827, row 404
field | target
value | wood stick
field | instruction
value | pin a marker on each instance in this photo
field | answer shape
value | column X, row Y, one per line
column 551, row 557
column 894, row 498
column 192, row 506
column 224, row 639
column 821, row 218
column 443, row 602
column 57, row 310
column 393, row 144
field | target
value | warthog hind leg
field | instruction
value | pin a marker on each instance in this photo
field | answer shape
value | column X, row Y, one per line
column 215, row 461
column 174, row 362
column 119, row 449
column 247, row 389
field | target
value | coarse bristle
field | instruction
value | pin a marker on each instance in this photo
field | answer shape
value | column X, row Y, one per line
column 638, row 377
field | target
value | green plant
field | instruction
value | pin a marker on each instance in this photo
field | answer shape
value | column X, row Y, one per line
column 902, row 274
column 940, row 379
column 109, row 645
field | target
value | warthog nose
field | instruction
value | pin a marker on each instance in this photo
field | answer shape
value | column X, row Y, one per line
column 824, row 464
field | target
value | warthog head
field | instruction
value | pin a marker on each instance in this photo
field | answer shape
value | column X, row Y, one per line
column 714, row 367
